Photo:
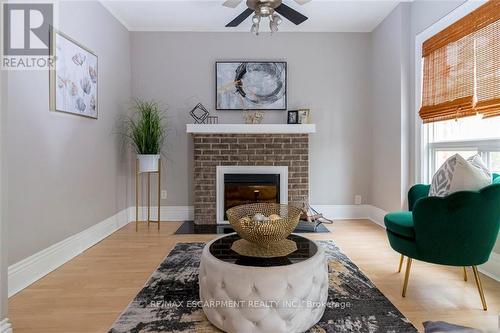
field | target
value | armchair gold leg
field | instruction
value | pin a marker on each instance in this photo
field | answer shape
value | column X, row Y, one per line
column 401, row 263
column 479, row 287
column 407, row 275
column 465, row 274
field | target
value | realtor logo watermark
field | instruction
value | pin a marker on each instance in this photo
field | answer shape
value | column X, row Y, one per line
column 26, row 36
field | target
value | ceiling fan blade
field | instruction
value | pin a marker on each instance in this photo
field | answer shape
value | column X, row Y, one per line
column 302, row 2
column 232, row 3
column 291, row 14
column 240, row 18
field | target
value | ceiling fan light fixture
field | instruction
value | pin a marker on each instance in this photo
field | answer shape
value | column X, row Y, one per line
column 277, row 19
column 255, row 29
column 264, row 10
column 273, row 26
column 259, row 9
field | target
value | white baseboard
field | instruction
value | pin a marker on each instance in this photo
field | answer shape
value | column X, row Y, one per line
column 352, row 212
column 377, row 215
column 492, row 267
column 168, row 213
column 36, row 266
column 5, row 326
column 337, row 212
column 343, row 212
column 31, row 269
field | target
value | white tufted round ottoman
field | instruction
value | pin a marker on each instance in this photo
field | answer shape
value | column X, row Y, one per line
column 268, row 295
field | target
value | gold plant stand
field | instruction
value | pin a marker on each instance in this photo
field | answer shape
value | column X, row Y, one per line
column 137, row 177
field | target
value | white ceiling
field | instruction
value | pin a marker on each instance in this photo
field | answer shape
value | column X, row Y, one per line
column 210, row 15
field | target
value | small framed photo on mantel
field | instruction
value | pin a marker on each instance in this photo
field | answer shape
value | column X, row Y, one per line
column 293, row 117
column 304, row 116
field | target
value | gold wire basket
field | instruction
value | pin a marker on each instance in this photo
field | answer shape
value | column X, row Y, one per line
column 264, row 238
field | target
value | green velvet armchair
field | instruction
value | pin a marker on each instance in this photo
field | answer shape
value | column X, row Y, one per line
column 457, row 230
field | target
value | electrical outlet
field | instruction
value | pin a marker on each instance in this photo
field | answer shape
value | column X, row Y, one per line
column 357, row 199
column 163, row 194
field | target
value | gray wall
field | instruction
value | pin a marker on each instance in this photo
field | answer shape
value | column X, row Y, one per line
column 388, row 107
column 327, row 72
column 393, row 97
column 65, row 172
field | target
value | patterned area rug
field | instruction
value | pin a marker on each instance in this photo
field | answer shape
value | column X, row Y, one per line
column 168, row 302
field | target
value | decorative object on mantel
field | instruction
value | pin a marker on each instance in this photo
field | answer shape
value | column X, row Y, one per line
column 146, row 130
column 73, row 80
column 251, row 85
column 304, row 116
column 199, row 114
column 255, row 117
column 264, row 228
column 293, row 117
column 211, row 120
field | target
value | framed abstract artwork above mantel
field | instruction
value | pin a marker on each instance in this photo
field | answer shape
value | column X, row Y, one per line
column 73, row 78
column 245, row 85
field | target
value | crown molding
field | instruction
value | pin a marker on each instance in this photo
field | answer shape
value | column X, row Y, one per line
column 115, row 15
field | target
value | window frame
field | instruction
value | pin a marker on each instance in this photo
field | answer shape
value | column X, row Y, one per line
column 483, row 147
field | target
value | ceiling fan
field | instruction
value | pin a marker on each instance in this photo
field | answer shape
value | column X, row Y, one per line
column 266, row 8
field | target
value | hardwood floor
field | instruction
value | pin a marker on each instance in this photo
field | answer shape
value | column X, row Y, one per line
column 88, row 293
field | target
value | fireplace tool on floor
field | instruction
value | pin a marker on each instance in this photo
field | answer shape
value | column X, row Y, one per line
column 311, row 218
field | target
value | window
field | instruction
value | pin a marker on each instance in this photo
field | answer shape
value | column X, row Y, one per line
column 495, row 161
column 460, row 87
column 467, row 137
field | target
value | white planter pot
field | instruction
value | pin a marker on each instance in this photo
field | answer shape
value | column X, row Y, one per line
column 148, row 163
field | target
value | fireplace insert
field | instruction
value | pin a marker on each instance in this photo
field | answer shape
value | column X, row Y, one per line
column 241, row 189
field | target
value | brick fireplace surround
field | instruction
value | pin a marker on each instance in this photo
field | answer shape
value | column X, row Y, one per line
column 212, row 150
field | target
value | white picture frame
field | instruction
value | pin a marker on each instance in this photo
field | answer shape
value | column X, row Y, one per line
column 73, row 77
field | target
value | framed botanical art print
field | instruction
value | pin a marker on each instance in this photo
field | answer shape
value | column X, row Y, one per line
column 73, row 78
column 251, row 85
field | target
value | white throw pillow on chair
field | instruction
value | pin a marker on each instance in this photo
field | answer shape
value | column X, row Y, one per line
column 478, row 162
column 458, row 174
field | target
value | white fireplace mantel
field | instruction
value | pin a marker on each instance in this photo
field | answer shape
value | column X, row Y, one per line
column 251, row 128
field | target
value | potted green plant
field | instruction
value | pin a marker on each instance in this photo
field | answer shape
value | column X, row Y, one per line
column 146, row 130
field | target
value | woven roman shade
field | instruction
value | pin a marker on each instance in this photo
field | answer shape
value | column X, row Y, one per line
column 461, row 71
column 448, row 86
column 488, row 70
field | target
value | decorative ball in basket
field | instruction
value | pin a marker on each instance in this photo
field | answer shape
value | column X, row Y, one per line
column 264, row 228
